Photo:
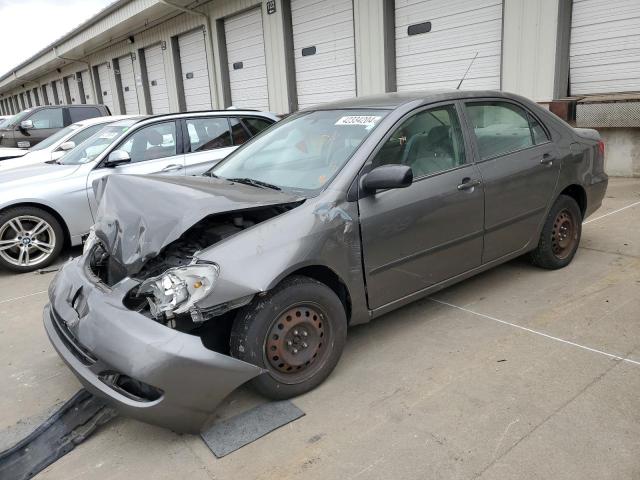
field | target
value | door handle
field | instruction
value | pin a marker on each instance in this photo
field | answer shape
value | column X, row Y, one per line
column 468, row 184
column 547, row 159
column 171, row 168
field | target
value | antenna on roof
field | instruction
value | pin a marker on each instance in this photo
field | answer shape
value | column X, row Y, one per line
column 465, row 73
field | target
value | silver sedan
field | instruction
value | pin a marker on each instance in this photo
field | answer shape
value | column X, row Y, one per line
column 43, row 207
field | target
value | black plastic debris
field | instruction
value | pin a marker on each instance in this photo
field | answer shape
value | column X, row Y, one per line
column 72, row 424
column 229, row 435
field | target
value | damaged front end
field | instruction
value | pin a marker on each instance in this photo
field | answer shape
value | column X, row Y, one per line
column 130, row 317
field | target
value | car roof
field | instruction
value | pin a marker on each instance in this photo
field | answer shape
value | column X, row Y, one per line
column 87, row 122
column 391, row 101
column 222, row 113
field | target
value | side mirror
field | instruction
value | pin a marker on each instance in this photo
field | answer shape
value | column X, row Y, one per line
column 117, row 157
column 387, row 176
column 26, row 124
column 66, row 146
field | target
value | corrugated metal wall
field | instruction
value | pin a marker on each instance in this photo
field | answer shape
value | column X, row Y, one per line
column 605, row 46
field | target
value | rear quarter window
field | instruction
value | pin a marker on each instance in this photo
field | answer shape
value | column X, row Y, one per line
column 78, row 114
column 256, row 125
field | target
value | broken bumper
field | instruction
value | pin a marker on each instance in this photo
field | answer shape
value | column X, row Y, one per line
column 143, row 369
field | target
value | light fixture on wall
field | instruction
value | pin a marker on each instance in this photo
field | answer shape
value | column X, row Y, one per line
column 131, row 39
column 163, row 45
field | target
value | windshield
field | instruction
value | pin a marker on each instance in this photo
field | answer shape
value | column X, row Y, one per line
column 93, row 146
column 17, row 118
column 47, row 142
column 301, row 154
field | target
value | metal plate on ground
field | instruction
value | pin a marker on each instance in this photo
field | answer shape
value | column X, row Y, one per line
column 229, row 435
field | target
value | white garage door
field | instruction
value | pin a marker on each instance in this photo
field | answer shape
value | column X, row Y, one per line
column 436, row 40
column 247, row 67
column 50, row 97
column 128, row 83
column 157, row 79
column 32, row 99
column 105, row 86
column 605, row 46
column 195, row 75
column 74, row 92
column 324, row 52
column 62, row 98
column 86, row 87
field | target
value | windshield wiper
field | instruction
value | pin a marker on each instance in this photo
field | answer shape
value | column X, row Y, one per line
column 255, row 183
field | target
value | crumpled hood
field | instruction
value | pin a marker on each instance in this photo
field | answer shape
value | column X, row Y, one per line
column 138, row 215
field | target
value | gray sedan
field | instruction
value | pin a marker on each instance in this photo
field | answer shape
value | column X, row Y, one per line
column 191, row 286
column 44, row 206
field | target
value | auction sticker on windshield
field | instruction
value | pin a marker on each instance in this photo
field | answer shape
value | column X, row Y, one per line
column 363, row 120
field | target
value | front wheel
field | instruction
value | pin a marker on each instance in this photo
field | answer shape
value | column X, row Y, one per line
column 296, row 332
column 30, row 238
column 560, row 236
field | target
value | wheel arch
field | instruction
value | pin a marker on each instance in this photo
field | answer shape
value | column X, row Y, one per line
column 328, row 277
column 579, row 194
column 49, row 210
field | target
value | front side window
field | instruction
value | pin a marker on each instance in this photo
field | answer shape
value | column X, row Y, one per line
column 47, row 118
column 303, row 153
column 500, row 128
column 208, row 133
column 151, row 143
column 429, row 142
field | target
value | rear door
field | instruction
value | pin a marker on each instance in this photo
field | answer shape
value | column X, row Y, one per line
column 155, row 148
column 519, row 168
column 417, row 237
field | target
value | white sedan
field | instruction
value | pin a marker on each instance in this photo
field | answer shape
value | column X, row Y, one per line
column 55, row 146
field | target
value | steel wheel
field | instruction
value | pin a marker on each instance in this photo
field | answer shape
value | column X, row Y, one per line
column 295, row 347
column 26, row 241
column 564, row 234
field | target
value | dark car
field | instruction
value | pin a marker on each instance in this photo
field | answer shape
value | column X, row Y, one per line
column 190, row 287
column 33, row 125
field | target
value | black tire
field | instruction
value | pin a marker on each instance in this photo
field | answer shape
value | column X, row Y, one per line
column 560, row 236
column 297, row 305
column 53, row 236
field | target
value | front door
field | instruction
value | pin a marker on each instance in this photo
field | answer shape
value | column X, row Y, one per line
column 519, row 168
column 416, row 237
column 153, row 149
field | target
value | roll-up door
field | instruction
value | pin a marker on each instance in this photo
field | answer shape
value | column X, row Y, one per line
column 604, row 55
column 128, row 84
column 247, row 66
column 195, row 74
column 31, row 100
column 50, row 96
column 156, row 76
column 105, row 86
column 324, row 51
column 62, row 98
column 436, row 41
column 74, row 92
column 86, row 87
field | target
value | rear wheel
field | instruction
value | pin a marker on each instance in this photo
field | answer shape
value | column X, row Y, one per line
column 30, row 238
column 560, row 235
column 296, row 332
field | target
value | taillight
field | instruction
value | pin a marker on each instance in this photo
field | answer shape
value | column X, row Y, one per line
column 601, row 147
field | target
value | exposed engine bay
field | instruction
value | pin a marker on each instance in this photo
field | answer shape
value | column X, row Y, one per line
column 181, row 254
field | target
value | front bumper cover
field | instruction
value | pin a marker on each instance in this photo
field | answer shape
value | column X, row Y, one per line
column 96, row 335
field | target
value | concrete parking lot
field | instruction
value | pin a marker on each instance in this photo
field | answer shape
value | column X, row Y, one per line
column 516, row 373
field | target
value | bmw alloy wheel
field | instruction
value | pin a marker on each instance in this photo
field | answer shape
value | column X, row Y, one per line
column 26, row 241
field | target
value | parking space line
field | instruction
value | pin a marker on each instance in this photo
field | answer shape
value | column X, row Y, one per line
column 611, row 213
column 23, row 296
column 542, row 334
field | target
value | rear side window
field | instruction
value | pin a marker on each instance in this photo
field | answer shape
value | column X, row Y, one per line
column 239, row 133
column 500, row 128
column 78, row 114
column 256, row 125
column 208, row 133
column 47, row 118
